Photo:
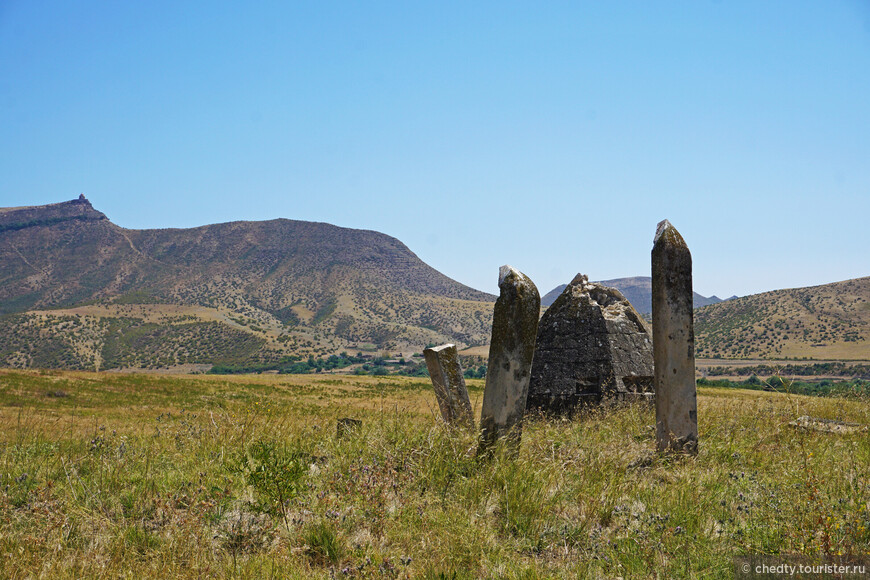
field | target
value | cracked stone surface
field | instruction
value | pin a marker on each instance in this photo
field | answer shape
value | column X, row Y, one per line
column 450, row 390
column 514, row 328
column 674, row 342
column 592, row 345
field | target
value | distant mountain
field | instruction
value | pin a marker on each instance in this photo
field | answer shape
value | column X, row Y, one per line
column 637, row 290
column 69, row 275
column 77, row 291
column 831, row 321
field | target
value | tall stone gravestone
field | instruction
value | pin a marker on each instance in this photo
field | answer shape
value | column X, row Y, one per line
column 514, row 327
column 592, row 345
column 450, row 391
column 674, row 342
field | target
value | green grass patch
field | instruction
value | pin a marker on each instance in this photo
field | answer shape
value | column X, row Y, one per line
column 211, row 476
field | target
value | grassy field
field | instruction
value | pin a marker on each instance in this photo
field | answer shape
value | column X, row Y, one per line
column 113, row 475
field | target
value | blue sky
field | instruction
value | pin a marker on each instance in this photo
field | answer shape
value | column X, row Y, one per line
column 550, row 136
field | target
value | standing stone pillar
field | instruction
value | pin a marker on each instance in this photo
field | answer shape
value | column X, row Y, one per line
column 446, row 374
column 514, row 328
column 674, row 342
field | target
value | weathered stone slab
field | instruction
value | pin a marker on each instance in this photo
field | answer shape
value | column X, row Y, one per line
column 592, row 345
column 674, row 342
column 514, row 328
column 450, row 391
column 828, row 425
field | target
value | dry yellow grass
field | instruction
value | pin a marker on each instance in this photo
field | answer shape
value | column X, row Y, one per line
column 115, row 475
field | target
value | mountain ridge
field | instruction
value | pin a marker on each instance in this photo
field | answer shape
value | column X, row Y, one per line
column 78, row 291
column 637, row 289
column 300, row 283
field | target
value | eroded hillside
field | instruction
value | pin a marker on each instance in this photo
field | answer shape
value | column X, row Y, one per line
column 70, row 277
column 831, row 321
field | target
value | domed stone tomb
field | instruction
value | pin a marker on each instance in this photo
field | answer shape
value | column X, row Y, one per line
column 592, row 345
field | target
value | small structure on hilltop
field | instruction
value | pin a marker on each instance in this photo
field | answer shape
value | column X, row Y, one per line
column 592, row 345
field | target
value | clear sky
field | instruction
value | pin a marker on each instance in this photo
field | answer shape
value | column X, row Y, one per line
column 552, row 136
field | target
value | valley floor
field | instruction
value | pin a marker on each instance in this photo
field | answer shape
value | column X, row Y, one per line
column 122, row 475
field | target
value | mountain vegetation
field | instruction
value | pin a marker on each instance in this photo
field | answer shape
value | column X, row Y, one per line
column 81, row 292
column 831, row 321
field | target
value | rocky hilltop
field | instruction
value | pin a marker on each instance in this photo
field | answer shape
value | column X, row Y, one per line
column 19, row 218
column 70, row 275
column 60, row 254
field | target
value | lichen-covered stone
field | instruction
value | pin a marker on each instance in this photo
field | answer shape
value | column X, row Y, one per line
column 450, row 391
column 514, row 328
column 592, row 345
column 674, row 342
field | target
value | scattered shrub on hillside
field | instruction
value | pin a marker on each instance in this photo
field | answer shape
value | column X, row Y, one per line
column 824, row 388
column 275, row 472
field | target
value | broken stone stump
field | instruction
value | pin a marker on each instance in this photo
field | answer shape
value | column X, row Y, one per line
column 674, row 342
column 514, row 328
column 446, row 374
column 592, row 347
column 827, row 425
column 346, row 427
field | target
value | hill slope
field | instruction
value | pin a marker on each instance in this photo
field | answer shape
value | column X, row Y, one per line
column 638, row 290
column 290, row 286
column 831, row 321
column 77, row 291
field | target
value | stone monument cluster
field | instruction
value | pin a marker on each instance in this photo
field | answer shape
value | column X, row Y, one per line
column 590, row 346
